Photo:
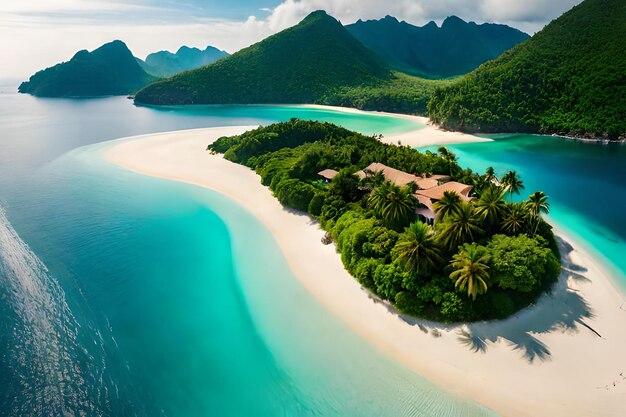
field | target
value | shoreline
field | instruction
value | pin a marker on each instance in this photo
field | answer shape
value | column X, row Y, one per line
column 428, row 134
column 564, row 369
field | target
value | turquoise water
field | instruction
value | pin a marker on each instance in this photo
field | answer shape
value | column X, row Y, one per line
column 585, row 183
column 124, row 295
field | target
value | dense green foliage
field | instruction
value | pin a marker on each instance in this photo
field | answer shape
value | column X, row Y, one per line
column 165, row 64
column 469, row 266
column 298, row 65
column 401, row 94
column 455, row 48
column 316, row 61
column 109, row 70
column 521, row 262
column 569, row 78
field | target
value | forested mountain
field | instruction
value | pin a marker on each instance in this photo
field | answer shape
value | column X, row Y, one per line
column 455, row 48
column 570, row 78
column 109, row 70
column 316, row 61
column 164, row 64
column 298, row 65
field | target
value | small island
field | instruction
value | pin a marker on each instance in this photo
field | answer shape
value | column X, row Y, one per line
column 436, row 240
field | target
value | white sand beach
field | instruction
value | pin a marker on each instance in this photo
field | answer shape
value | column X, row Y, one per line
column 428, row 135
column 545, row 361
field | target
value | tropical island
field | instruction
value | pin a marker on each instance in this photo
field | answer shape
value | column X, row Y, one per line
column 480, row 360
column 454, row 273
column 436, row 240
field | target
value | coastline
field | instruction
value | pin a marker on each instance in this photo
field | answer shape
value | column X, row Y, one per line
column 428, row 134
column 542, row 361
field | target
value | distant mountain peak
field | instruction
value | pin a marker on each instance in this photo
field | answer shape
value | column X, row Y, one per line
column 305, row 63
column 430, row 51
column 390, row 18
column 115, row 42
column 317, row 15
column 165, row 64
column 114, row 46
column 453, row 20
column 80, row 54
column 186, row 48
column 110, row 69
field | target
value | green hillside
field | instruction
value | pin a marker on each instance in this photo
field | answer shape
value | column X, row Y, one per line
column 455, row 48
column 570, row 78
column 316, row 61
column 109, row 70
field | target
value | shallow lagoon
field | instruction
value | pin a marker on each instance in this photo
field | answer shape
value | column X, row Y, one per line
column 147, row 297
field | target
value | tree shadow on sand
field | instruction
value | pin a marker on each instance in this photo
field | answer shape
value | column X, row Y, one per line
column 562, row 310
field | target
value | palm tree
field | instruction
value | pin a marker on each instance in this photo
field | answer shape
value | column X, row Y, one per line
column 538, row 204
column 396, row 205
column 491, row 206
column 471, row 270
column 378, row 196
column 490, row 175
column 417, row 248
column 448, row 156
column 372, row 179
column 399, row 207
column 448, row 204
column 513, row 183
column 460, row 227
column 515, row 218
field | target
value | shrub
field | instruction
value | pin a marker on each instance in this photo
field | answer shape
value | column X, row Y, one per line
column 453, row 308
column 521, row 263
column 316, row 204
column 294, row 193
column 408, row 303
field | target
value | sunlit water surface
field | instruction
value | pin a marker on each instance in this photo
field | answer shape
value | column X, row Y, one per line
column 124, row 295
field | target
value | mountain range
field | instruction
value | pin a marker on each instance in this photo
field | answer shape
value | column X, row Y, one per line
column 569, row 79
column 164, row 64
column 302, row 64
column 109, row 70
column 327, row 65
column 430, row 51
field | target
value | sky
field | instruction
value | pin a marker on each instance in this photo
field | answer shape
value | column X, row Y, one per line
column 35, row 34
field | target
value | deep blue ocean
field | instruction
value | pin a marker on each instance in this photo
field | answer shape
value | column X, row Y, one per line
column 124, row 295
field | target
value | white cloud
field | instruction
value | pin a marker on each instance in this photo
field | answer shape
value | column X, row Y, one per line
column 58, row 6
column 36, row 43
column 539, row 11
column 514, row 12
column 41, row 33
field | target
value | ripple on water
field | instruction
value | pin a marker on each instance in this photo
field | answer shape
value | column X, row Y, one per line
column 54, row 371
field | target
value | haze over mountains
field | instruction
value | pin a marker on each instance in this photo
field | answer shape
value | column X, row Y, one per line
column 569, row 78
column 430, row 51
column 164, row 64
column 478, row 43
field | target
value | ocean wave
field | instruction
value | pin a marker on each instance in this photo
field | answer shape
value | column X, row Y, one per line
column 46, row 370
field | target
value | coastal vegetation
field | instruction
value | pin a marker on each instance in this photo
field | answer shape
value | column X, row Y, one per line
column 486, row 256
column 569, row 78
column 430, row 51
